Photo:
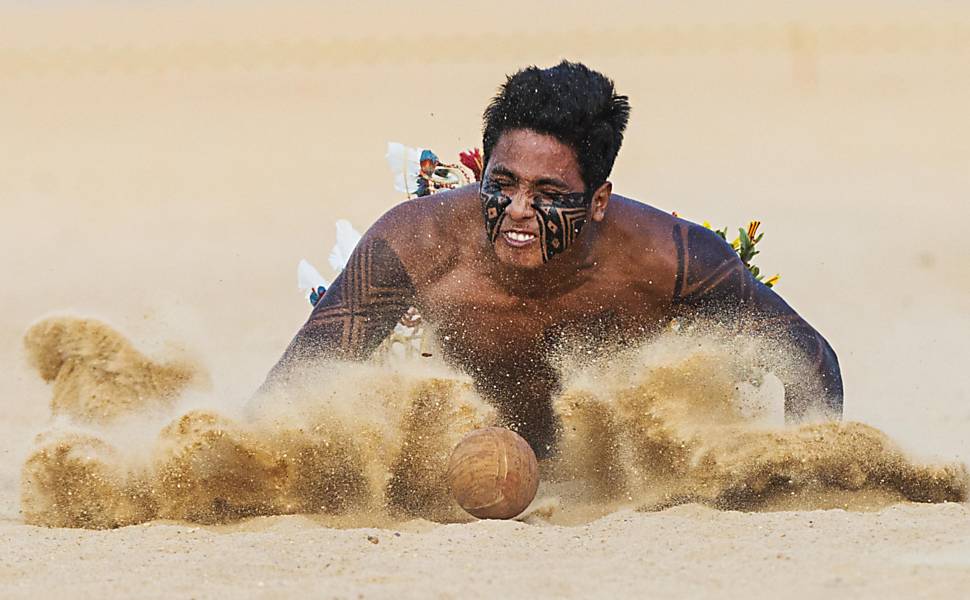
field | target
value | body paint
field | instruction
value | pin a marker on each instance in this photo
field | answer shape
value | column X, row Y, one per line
column 560, row 222
column 494, row 203
column 560, row 218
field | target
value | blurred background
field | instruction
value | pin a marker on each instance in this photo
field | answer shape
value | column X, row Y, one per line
column 164, row 165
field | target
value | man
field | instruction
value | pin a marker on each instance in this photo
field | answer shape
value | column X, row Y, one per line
column 541, row 256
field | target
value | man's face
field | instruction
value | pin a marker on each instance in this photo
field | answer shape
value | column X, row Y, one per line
column 427, row 167
column 534, row 198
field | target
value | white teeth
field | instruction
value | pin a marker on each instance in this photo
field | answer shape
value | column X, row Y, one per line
column 519, row 237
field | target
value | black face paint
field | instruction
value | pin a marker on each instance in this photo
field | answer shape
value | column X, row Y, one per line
column 560, row 220
column 561, row 216
column 494, row 203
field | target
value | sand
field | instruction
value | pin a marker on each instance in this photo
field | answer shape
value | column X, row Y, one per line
column 905, row 551
column 165, row 169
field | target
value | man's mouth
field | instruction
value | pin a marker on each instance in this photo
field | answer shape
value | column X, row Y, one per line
column 518, row 239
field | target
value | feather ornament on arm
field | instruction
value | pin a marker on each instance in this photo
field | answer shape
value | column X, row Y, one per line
column 311, row 281
column 347, row 239
column 307, row 276
column 405, row 163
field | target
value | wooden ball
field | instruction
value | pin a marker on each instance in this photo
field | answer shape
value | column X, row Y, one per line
column 493, row 473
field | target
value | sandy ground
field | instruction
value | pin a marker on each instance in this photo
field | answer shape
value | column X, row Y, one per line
column 164, row 168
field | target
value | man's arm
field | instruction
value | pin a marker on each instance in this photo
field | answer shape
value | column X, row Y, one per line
column 356, row 313
column 712, row 283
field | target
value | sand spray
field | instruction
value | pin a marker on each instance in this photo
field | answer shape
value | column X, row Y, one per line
column 689, row 416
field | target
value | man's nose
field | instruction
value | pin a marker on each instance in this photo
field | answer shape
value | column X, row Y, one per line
column 521, row 208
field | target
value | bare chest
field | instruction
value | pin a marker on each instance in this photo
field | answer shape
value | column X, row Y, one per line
column 477, row 321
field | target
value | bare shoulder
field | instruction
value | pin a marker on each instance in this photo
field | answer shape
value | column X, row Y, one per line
column 662, row 245
column 641, row 234
column 424, row 232
column 637, row 218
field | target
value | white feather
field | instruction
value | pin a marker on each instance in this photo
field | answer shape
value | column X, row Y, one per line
column 405, row 163
column 308, row 278
column 347, row 239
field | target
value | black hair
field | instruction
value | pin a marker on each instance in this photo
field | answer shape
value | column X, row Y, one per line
column 571, row 102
